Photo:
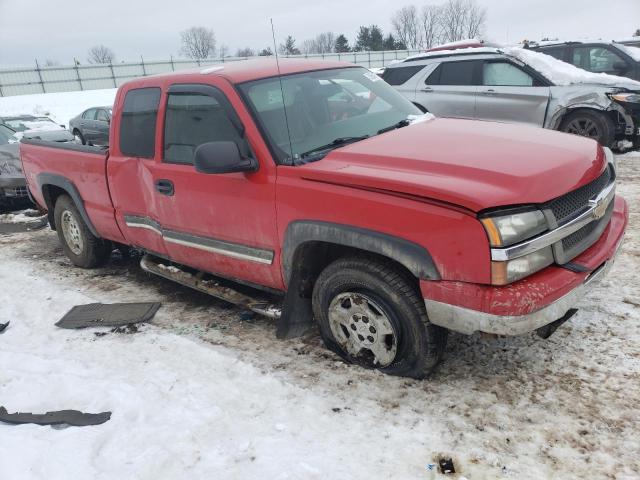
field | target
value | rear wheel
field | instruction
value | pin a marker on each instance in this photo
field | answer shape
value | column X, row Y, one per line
column 82, row 247
column 372, row 314
column 590, row 124
column 79, row 138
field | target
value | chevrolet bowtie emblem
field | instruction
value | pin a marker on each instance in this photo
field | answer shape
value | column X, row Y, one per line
column 599, row 208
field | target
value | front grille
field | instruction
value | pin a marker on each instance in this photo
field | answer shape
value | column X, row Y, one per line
column 576, row 237
column 16, row 192
column 572, row 204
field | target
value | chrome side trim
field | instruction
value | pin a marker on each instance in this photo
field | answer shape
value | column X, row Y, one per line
column 212, row 245
column 596, row 206
column 467, row 321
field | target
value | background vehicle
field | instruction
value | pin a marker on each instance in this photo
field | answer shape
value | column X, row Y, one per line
column 521, row 86
column 41, row 128
column 598, row 57
column 387, row 232
column 92, row 126
column 13, row 186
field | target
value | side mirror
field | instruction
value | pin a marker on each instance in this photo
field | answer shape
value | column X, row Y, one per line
column 63, row 126
column 619, row 67
column 222, row 157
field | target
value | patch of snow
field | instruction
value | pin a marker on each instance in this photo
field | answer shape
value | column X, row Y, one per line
column 23, row 216
column 425, row 117
column 169, row 268
column 633, row 52
column 60, row 107
column 212, row 69
column 625, row 145
column 562, row 73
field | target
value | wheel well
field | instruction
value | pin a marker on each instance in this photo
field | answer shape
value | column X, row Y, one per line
column 51, row 194
column 612, row 115
column 312, row 257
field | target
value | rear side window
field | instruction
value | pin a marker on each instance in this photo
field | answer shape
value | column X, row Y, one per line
column 453, row 73
column 556, row 52
column 138, row 122
column 505, row 74
column 399, row 75
column 191, row 120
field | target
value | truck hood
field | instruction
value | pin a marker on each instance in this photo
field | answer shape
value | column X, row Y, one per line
column 472, row 164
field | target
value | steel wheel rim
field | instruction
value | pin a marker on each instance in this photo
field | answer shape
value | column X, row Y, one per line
column 71, row 232
column 583, row 127
column 363, row 329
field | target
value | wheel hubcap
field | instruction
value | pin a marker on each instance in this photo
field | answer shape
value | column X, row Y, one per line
column 583, row 127
column 71, row 232
column 363, row 329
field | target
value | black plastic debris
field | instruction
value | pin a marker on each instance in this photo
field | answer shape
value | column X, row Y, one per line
column 446, row 465
column 3, row 326
column 73, row 418
column 108, row 315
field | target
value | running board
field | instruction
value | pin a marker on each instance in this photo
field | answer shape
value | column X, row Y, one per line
column 199, row 281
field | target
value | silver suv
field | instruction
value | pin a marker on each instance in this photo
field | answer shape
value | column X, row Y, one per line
column 521, row 86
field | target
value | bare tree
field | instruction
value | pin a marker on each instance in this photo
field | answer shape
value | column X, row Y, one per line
column 322, row 43
column 406, row 25
column 198, row 43
column 245, row 52
column 100, row 54
column 430, row 25
column 223, row 51
column 462, row 19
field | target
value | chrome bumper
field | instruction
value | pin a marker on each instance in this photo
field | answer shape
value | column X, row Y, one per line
column 468, row 321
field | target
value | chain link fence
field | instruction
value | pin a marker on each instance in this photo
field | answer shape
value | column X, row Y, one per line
column 37, row 79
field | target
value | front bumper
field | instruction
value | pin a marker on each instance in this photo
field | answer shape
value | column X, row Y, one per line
column 531, row 303
column 13, row 187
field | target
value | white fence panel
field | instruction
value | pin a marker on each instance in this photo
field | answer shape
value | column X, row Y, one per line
column 26, row 80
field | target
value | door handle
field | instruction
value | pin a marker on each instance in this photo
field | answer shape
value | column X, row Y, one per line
column 490, row 91
column 165, row 187
column 427, row 90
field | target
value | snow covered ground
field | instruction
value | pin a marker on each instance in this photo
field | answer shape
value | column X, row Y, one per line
column 61, row 107
column 201, row 393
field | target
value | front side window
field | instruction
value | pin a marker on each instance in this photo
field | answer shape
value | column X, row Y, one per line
column 89, row 114
column 505, row 74
column 192, row 119
column 596, row 59
column 138, row 122
column 321, row 107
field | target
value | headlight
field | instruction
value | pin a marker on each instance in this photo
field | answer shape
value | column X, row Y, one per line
column 509, row 271
column 504, row 230
column 625, row 97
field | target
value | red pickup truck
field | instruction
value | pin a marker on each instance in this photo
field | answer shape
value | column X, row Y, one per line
column 318, row 184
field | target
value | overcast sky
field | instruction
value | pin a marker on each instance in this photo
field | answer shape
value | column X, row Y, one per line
column 62, row 30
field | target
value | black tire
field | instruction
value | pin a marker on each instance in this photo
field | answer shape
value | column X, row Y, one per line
column 77, row 133
column 87, row 251
column 586, row 123
column 419, row 345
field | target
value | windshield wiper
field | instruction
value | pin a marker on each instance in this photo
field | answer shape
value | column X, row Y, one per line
column 337, row 142
column 400, row 124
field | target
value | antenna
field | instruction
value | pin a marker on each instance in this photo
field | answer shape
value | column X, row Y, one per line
column 284, row 104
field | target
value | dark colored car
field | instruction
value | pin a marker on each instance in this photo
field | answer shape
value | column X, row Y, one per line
column 92, row 126
column 13, row 186
column 36, row 128
column 599, row 57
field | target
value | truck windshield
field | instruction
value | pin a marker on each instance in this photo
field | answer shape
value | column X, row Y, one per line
column 324, row 109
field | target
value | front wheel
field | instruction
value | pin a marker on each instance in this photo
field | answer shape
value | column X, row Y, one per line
column 372, row 314
column 78, row 137
column 82, row 247
column 593, row 125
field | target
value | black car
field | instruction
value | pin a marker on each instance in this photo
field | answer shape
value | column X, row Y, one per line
column 37, row 128
column 92, row 126
column 13, row 186
column 599, row 57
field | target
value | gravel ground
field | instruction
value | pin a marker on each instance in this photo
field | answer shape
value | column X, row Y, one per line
column 566, row 407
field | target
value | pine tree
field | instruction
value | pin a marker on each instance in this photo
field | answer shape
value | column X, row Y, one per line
column 377, row 39
column 289, row 47
column 265, row 52
column 342, row 44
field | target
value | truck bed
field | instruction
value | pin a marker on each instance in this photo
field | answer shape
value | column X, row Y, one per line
column 81, row 166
